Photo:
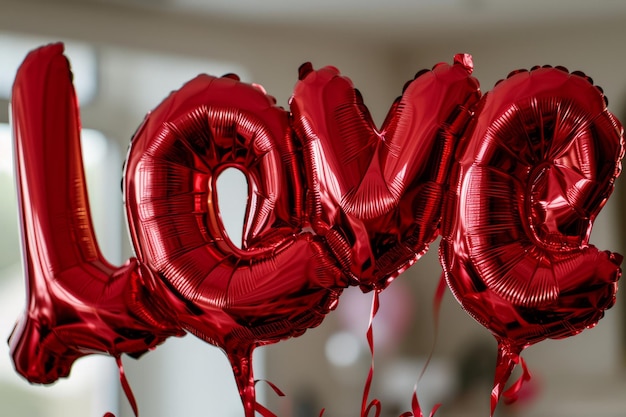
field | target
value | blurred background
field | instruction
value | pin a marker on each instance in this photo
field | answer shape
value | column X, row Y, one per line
column 127, row 56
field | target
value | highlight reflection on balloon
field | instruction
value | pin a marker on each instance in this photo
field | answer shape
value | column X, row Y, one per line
column 533, row 170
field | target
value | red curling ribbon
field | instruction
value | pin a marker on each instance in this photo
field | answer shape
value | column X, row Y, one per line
column 416, row 409
column 262, row 409
column 126, row 387
column 273, row 386
column 512, row 394
column 437, row 299
column 375, row 403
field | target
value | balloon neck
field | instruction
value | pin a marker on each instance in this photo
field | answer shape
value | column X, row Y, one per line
column 241, row 363
column 508, row 358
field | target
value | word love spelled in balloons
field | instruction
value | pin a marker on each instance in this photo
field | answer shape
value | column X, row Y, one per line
column 513, row 180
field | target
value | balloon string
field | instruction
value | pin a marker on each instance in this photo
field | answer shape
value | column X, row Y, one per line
column 126, row 386
column 437, row 299
column 272, row 386
column 365, row 407
column 265, row 412
column 417, row 410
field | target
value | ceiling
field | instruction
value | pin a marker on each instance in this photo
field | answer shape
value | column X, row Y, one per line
column 389, row 18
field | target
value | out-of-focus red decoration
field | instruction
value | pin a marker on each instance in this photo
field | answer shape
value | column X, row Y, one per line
column 535, row 166
column 188, row 275
column 376, row 194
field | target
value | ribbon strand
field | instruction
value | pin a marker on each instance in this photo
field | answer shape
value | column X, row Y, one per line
column 265, row 412
column 126, row 386
column 375, row 403
column 437, row 299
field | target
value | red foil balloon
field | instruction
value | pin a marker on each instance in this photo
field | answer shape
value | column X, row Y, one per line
column 78, row 303
column 282, row 281
column 375, row 195
column 188, row 274
column 533, row 170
